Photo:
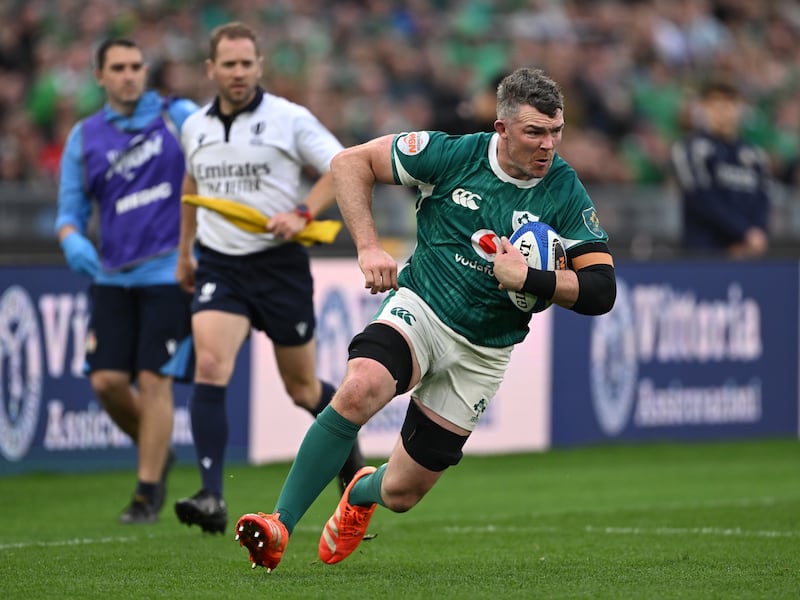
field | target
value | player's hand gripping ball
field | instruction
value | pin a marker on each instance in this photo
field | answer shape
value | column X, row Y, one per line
column 543, row 249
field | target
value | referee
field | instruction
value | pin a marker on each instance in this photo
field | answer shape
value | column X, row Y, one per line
column 250, row 147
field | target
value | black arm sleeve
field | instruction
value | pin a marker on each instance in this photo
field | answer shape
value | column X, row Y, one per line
column 597, row 290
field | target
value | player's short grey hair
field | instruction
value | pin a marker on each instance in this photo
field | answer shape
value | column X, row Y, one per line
column 531, row 87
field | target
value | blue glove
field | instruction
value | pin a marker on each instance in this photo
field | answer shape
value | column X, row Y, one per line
column 81, row 254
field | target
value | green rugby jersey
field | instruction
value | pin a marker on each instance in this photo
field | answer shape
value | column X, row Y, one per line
column 465, row 203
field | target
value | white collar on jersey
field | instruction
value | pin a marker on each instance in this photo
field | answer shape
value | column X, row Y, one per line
column 502, row 175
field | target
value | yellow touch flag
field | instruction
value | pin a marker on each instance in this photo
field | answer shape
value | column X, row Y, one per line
column 252, row 220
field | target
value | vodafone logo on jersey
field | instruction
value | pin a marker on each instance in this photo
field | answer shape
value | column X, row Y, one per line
column 485, row 243
column 413, row 143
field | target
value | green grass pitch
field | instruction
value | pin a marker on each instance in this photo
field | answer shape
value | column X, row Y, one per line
column 706, row 520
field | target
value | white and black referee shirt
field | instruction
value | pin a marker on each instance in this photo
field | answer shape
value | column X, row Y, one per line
column 255, row 158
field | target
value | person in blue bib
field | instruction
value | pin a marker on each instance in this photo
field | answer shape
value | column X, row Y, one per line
column 124, row 163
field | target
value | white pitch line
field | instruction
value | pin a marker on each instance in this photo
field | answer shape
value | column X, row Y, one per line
column 501, row 529
column 598, row 513
column 490, row 529
column 715, row 531
column 102, row 540
column 71, row 542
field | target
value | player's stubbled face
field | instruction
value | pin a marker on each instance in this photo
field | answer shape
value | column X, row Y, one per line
column 531, row 140
column 123, row 76
column 236, row 70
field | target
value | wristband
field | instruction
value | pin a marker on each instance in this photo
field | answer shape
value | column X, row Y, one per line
column 541, row 284
column 302, row 210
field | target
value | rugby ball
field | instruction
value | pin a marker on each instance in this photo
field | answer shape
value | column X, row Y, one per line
column 543, row 249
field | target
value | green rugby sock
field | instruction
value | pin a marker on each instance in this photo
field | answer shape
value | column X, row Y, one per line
column 324, row 449
column 367, row 490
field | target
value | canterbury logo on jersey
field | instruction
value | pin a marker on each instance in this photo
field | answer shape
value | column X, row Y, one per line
column 466, row 198
column 402, row 313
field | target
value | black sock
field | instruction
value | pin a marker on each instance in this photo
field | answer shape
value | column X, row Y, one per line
column 147, row 491
column 210, row 433
column 327, row 395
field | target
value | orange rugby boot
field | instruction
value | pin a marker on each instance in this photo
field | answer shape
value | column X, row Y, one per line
column 264, row 536
column 346, row 528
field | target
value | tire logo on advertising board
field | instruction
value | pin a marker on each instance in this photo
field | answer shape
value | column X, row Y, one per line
column 21, row 374
column 614, row 364
column 645, row 353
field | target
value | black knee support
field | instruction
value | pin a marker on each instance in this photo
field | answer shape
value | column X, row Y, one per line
column 385, row 344
column 428, row 443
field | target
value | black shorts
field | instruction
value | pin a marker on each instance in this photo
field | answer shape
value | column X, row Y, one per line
column 273, row 289
column 136, row 328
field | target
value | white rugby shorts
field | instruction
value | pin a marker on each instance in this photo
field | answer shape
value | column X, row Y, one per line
column 458, row 378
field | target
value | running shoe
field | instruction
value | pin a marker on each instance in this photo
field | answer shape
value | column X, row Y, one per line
column 139, row 512
column 346, row 528
column 264, row 536
column 203, row 509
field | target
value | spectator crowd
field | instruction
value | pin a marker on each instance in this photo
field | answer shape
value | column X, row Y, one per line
column 629, row 68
